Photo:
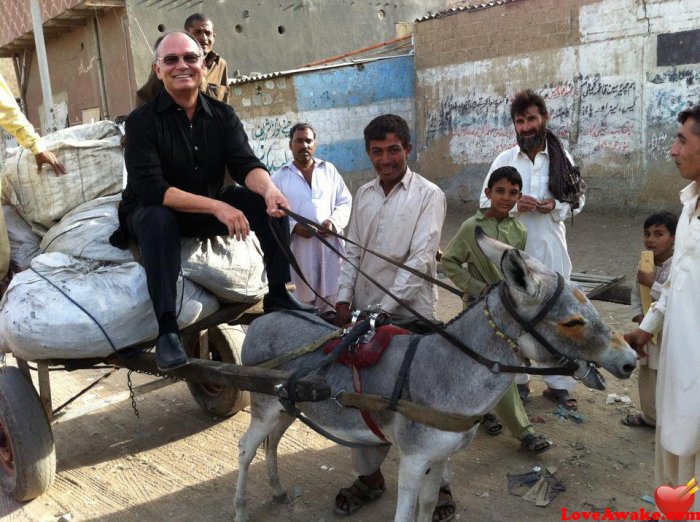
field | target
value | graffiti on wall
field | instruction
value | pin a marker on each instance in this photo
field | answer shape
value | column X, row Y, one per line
column 670, row 92
column 269, row 139
column 592, row 114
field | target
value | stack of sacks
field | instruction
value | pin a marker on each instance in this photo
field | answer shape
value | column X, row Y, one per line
column 94, row 162
column 232, row 270
column 39, row 321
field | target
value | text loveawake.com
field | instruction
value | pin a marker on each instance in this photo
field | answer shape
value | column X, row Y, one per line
column 641, row 514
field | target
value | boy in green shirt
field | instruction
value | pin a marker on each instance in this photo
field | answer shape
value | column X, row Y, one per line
column 472, row 272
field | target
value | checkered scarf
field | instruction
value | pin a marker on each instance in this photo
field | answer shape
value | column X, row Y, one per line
column 565, row 181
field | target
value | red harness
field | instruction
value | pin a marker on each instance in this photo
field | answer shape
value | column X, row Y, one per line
column 363, row 356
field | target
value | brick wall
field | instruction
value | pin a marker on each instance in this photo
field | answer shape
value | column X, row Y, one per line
column 501, row 30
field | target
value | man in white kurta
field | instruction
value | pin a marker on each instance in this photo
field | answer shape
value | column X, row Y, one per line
column 399, row 214
column 316, row 190
column 678, row 311
column 538, row 210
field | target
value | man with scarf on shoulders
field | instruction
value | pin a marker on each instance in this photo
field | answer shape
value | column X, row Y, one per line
column 552, row 190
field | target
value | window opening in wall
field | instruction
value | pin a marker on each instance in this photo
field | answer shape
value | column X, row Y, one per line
column 238, row 28
column 246, row 13
column 678, row 48
column 161, row 28
column 381, row 14
column 281, row 29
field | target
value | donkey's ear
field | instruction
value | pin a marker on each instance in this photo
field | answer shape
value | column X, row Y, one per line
column 512, row 262
column 491, row 248
column 517, row 273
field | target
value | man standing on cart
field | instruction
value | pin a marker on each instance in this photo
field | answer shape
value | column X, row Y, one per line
column 178, row 147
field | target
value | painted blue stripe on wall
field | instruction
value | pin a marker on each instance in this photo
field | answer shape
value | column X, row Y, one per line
column 350, row 87
column 347, row 156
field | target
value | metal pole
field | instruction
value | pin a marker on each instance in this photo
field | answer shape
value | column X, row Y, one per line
column 43, row 68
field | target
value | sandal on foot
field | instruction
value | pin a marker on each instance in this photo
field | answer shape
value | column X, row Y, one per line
column 561, row 397
column 535, row 443
column 636, row 421
column 491, row 424
column 357, row 496
column 445, row 506
column 524, row 392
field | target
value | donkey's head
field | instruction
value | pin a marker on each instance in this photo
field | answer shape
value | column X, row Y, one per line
column 571, row 325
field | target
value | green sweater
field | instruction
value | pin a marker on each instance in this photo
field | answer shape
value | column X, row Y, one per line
column 479, row 271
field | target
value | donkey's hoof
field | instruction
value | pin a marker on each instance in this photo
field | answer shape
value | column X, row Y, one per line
column 282, row 499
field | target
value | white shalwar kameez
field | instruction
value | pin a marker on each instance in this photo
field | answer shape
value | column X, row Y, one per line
column 546, row 233
column 326, row 198
column 678, row 384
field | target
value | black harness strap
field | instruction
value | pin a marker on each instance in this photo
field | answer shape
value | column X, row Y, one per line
column 403, row 372
column 529, row 326
column 287, row 395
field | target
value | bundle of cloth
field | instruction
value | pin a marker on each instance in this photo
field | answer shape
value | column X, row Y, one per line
column 74, row 294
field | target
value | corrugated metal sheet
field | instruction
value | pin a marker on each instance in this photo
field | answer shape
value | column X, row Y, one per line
column 474, row 7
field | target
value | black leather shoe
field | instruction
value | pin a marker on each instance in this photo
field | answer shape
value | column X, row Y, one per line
column 170, row 354
column 286, row 301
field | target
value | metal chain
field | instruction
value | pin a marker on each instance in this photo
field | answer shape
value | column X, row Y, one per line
column 130, row 385
column 131, row 394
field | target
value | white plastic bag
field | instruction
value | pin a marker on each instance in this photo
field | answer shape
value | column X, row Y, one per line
column 231, row 270
column 84, row 232
column 24, row 244
column 93, row 159
column 37, row 321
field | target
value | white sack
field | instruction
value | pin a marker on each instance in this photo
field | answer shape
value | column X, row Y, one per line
column 38, row 322
column 24, row 244
column 232, row 270
column 84, row 232
column 93, row 159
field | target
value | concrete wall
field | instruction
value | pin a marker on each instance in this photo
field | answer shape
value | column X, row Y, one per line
column 274, row 36
column 596, row 64
column 74, row 64
column 338, row 102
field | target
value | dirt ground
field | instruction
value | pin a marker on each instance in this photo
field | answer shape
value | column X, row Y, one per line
column 174, row 462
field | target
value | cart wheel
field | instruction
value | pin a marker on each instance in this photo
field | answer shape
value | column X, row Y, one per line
column 27, row 451
column 225, row 342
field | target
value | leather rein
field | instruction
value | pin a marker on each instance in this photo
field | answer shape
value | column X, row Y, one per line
column 569, row 365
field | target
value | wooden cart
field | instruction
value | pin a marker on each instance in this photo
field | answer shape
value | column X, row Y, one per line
column 215, row 378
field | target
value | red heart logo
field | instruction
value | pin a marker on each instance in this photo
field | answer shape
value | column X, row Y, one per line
column 673, row 500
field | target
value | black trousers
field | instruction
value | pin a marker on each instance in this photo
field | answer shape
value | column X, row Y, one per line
column 158, row 230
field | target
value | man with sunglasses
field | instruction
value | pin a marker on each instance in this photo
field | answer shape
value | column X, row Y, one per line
column 178, row 148
column 215, row 82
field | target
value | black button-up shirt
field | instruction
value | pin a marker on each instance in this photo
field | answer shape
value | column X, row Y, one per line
column 164, row 149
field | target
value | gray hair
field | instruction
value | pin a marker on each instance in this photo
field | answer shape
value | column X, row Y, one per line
column 164, row 35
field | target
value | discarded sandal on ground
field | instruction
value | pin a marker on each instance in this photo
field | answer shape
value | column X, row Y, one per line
column 491, row 424
column 636, row 421
column 445, row 508
column 524, row 392
column 535, row 443
column 357, row 496
column 562, row 397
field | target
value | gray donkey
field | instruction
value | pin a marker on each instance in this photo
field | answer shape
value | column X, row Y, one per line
column 441, row 376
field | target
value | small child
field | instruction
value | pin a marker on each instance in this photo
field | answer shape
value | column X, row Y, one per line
column 659, row 235
column 504, row 189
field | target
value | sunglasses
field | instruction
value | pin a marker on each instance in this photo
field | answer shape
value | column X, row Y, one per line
column 174, row 59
